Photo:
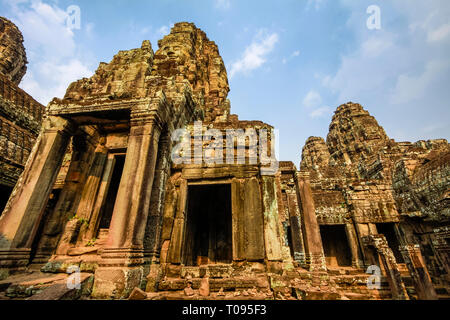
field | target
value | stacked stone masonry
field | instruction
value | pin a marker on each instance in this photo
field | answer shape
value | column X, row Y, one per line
column 101, row 191
column 20, row 114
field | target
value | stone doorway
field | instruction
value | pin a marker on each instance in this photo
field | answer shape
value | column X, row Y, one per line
column 108, row 208
column 335, row 245
column 208, row 237
column 388, row 230
column 5, row 192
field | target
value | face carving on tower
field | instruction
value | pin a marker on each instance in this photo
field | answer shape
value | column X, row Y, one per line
column 13, row 58
column 185, row 58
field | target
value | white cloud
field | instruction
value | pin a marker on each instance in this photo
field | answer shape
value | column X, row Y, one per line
column 255, row 55
column 321, row 112
column 376, row 61
column 145, row 30
column 392, row 62
column 410, row 88
column 312, row 99
column 57, row 77
column 399, row 70
column 90, row 29
column 164, row 30
column 223, row 4
column 55, row 59
column 439, row 34
column 293, row 55
column 317, row 4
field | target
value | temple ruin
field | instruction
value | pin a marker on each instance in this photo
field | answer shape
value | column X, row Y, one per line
column 20, row 114
column 101, row 193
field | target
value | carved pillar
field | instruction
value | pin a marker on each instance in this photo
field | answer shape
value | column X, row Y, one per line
column 101, row 197
column 89, row 195
column 154, row 220
column 378, row 241
column 237, row 220
column 176, row 240
column 53, row 239
column 357, row 261
column 23, row 213
column 295, row 221
column 253, row 221
column 272, row 235
column 122, row 258
column 153, row 232
column 419, row 272
column 311, row 231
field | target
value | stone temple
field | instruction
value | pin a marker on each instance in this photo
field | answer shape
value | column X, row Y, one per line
column 364, row 217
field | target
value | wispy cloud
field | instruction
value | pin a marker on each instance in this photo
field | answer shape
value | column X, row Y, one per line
column 222, row 4
column 164, row 30
column 55, row 60
column 409, row 88
column 321, row 112
column 313, row 102
column 294, row 54
column 439, row 34
column 255, row 55
column 403, row 66
column 312, row 99
column 316, row 4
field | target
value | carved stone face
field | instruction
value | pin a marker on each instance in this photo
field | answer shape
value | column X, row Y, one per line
column 12, row 52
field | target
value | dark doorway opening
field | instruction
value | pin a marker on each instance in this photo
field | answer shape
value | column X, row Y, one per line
column 5, row 192
column 51, row 204
column 387, row 229
column 108, row 208
column 208, row 237
column 335, row 245
column 289, row 240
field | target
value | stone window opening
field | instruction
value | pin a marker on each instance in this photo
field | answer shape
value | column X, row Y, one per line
column 208, row 236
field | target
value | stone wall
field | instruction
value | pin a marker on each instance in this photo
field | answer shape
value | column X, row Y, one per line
column 360, row 176
column 13, row 59
column 20, row 114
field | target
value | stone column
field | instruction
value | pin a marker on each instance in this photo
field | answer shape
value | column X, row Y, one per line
column 253, row 220
column 176, row 240
column 152, row 241
column 386, row 256
column 419, row 272
column 272, row 235
column 94, row 221
column 295, row 221
column 311, row 231
column 52, row 241
column 122, row 258
column 357, row 261
column 23, row 213
column 154, row 220
column 363, row 230
column 89, row 195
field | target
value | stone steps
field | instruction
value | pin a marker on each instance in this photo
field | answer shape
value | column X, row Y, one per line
column 180, row 295
column 41, row 286
column 227, row 284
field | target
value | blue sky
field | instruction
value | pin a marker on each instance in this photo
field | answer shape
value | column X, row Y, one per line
column 290, row 63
